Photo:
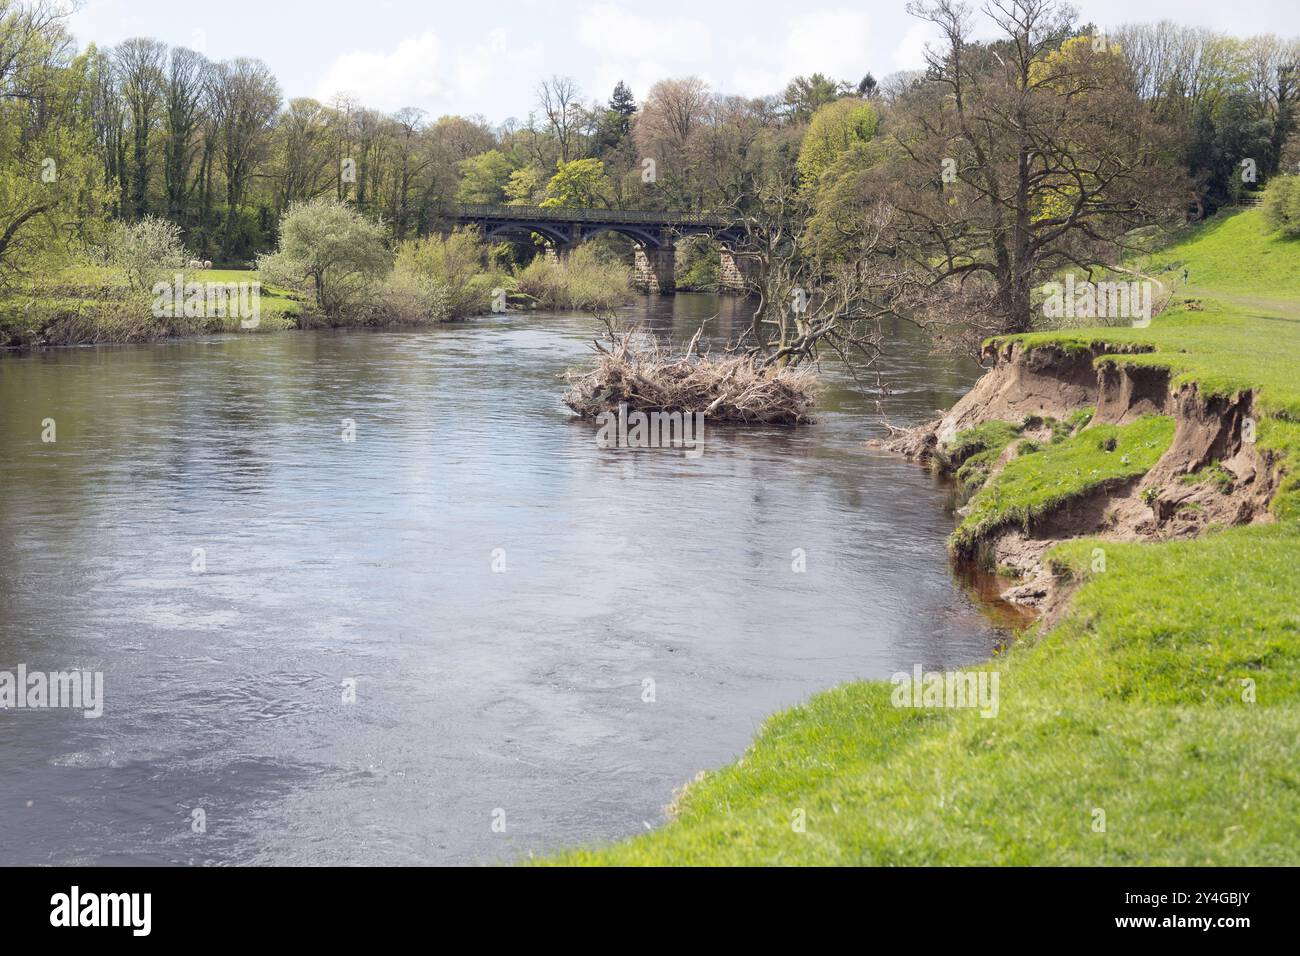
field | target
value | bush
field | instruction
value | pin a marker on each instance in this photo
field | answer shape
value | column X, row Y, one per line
column 328, row 252
column 578, row 281
column 143, row 251
column 448, row 276
column 1282, row 205
column 698, row 266
column 405, row 298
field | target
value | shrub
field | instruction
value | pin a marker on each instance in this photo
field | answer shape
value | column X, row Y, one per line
column 578, row 281
column 450, row 273
column 407, row 298
column 328, row 252
column 143, row 251
column 1282, row 205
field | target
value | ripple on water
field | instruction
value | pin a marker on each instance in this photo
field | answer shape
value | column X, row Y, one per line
column 332, row 566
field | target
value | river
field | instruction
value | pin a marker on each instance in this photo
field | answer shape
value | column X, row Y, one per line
column 543, row 638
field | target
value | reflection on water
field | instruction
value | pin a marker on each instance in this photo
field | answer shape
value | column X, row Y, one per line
column 325, row 561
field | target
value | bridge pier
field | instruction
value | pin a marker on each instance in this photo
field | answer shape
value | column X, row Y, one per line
column 652, row 269
column 737, row 272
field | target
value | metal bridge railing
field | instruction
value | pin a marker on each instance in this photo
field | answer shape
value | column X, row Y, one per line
column 562, row 214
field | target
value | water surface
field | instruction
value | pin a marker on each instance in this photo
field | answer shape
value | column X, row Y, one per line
column 480, row 694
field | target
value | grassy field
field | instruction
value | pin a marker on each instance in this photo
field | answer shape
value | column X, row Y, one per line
column 1157, row 723
column 92, row 303
column 279, row 309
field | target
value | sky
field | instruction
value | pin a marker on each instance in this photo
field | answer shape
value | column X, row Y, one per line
column 487, row 57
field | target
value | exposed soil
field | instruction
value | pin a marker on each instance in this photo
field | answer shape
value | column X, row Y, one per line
column 1163, row 504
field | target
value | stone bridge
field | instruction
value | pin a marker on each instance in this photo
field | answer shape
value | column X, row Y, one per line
column 654, row 234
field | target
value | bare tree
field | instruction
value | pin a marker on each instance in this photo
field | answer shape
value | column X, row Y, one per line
column 1015, row 158
column 245, row 99
column 139, row 65
column 675, row 112
column 560, row 101
column 184, row 89
column 807, row 304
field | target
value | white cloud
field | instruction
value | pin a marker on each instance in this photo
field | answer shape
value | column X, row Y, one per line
column 639, row 50
column 622, row 35
column 910, row 52
column 421, row 73
column 835, row 43
column 408, row 76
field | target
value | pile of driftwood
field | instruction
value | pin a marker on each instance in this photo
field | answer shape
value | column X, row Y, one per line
column 731, row 388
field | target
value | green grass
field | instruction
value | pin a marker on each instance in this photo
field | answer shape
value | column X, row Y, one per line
column 1234, row 252
column 1235, row 329
column 1213, row 473
column 1031, row 486
column 1138, row 704
column 89, row 303
column 1222, row 348
column 280, row 310
column 973, row 452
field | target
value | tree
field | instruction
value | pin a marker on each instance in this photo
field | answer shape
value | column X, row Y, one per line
column 1013, row 159
column 805, row 95
column 329, row 251
column 614, row 124
column 138, row 63
column 50, row 174
column 623, row 104
column 1282, row 205
column 484, row 178
column 143, row 251
column 834, row 130
column 245, row 98
column 412, row 161
column 624, row 107
column 184, row 88
column 674, row 114
column 580, row 183
column 807, row 304
column 303, row 160
column 1274, row 71
column 558, row 98
column 524, row 186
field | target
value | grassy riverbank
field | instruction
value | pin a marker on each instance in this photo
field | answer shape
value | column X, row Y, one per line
column 1155, row 723
column 85, row 304
column 94, row 304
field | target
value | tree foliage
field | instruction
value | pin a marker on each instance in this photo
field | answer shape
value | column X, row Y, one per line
column 329, row 252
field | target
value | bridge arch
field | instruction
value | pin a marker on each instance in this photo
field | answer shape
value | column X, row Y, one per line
column 646, row 238
column 653, row 234
column 522, row 229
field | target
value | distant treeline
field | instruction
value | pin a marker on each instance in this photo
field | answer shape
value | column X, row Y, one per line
column 92, row 135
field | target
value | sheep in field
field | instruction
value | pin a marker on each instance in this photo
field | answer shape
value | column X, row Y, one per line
column 194, row 264
column 207, row 263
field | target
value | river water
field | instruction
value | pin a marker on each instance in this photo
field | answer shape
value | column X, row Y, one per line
column 539, row 633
